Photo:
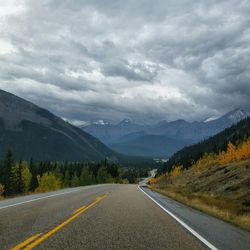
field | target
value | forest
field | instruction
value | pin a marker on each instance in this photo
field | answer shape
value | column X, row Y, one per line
column 23, row 177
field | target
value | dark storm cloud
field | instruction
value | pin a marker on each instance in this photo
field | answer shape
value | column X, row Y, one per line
column 87, row 60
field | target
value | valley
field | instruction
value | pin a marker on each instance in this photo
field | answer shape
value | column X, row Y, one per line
column 163, row 138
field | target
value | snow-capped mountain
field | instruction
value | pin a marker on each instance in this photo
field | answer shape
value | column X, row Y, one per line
column 110, row 133
column 101, row 122
column 131, row 138
column 234, row 116
column 237, row 115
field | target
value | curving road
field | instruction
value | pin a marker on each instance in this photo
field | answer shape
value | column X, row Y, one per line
column 95, row 217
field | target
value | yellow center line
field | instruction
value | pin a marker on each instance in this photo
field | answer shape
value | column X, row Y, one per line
column 79, row 209
column 26, row 242
column 54, row 230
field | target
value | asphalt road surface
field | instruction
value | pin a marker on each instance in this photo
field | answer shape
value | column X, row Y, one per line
column 107, row 217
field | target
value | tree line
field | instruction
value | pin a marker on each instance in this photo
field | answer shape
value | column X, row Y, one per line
column 233, row 153
column 19, row 177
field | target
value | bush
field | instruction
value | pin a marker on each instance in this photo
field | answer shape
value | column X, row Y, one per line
column 48, row 182
column 177, row 170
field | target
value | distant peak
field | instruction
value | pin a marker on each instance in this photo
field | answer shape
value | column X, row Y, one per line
column 234, row 116
column 179, row 121
column 101, row 122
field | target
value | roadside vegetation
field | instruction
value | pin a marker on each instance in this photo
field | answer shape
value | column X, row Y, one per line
column 22, row 177
column 218, row 184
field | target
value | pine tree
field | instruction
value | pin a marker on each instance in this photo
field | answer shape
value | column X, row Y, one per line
column 103, row 176
column 75, row 182
column 20, row 183
column 8, row 163
column 66, row 179
column 86, row 177
column 13, row 187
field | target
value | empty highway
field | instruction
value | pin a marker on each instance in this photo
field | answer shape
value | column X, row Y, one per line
column 110, row 217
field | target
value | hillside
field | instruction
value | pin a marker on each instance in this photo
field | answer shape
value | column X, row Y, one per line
column 212, row 176
column 30, row 131
column 220, row 190
column 214, row 144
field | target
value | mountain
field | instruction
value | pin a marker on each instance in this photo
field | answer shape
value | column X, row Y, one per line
column 163, row 138
column 235, row 134
column 110, row 133
column 31, row 131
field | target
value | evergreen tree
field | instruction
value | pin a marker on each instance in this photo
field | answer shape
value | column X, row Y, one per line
column 7, row 165
column 75, row 182
column 66, row 179
column 87, row 177
column 103, row 176
column 13, row 185
column 20, row 183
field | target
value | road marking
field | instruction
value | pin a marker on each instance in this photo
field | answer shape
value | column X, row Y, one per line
column 40, row 198
column 208, row 244
column 79, row 209
column 57, row 228
column 26, row 242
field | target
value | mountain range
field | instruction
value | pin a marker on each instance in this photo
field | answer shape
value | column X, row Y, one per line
column 163, row 138
column 31, row 131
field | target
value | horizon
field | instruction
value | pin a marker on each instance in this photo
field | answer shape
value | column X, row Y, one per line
column 80, row 123
column 211, row 118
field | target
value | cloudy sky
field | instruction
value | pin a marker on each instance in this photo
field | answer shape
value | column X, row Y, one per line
column 145, row 60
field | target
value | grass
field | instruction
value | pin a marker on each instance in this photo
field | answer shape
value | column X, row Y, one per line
column 221, row 191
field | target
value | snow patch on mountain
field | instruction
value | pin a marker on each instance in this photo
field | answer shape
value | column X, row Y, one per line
column 212, row 118
column 238, row 115
column 101, row 122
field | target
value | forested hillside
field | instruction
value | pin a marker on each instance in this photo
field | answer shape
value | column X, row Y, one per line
column 31, row 131
column 188, row 155
column 212, row 176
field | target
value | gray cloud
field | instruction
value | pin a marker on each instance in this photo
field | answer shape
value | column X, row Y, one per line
column 88, row 60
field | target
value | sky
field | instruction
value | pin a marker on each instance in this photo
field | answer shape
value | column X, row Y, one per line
column 144, row 60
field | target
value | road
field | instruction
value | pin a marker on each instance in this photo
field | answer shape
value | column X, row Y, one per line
column 100, row 217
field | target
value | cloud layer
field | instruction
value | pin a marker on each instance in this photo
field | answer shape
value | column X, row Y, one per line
column 88, row 60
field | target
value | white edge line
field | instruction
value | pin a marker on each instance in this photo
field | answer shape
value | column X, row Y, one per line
column 208, row 244
column 40, row 198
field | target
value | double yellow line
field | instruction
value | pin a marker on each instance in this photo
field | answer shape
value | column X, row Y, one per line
column 35, row 240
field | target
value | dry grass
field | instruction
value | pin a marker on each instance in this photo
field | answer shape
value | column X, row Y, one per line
column 212, row 206
column 222, row 191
